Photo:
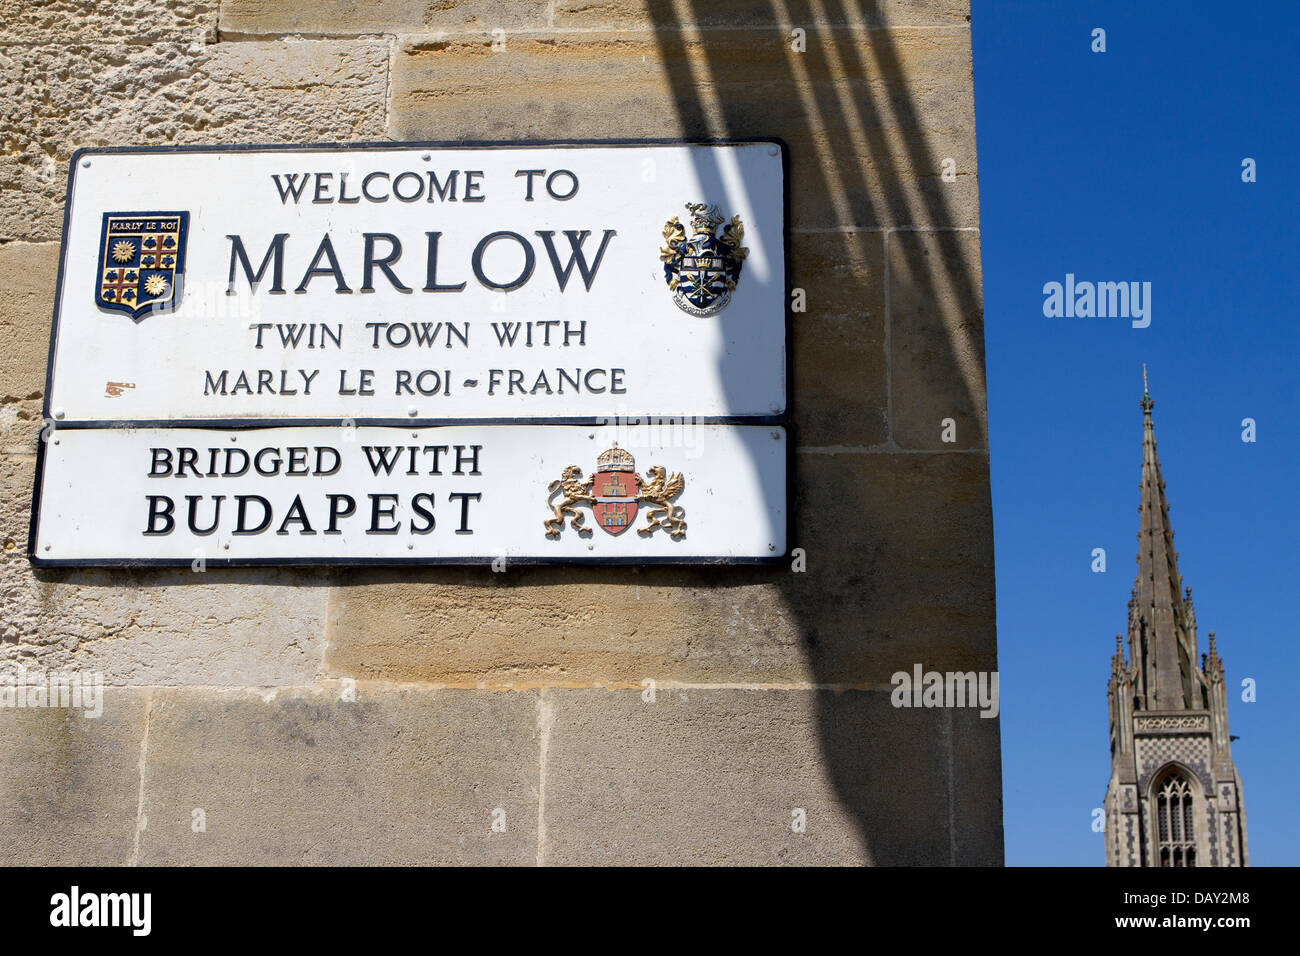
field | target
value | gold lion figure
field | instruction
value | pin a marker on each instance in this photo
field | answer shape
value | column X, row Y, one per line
column 733, row 234
column 674, row 235
column 663, row 513
column 576, row 491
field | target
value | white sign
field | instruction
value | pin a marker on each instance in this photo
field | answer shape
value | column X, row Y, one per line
column 661, row 491
column 413, row 283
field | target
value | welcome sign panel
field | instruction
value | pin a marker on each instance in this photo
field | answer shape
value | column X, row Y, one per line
column 425, row 283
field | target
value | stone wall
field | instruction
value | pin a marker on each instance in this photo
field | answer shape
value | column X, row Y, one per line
column 366, row 716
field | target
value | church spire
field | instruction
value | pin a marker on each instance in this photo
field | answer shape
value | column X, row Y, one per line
column 1162, row 640
column 1174, row 796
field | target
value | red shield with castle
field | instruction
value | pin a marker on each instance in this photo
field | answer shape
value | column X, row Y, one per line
column 613, row 492
column 614, row 489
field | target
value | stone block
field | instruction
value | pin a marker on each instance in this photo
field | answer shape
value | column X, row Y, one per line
column 841, row 392
column 71, row 783
column 396, row 777
column 977, row 789
column 907, row 578
column 716, row 776
column 736, row 82
column 533, row 624
column 27, row 274
column 131, row 22
column 350, row 18
column 869, row 121
column 936, row 314
column 666, row 15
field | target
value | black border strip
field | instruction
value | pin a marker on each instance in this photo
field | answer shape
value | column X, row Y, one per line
column 222, row 563
column 782, row 420
column 242, row 424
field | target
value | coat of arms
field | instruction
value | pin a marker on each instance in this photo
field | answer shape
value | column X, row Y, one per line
column 702, row 269
column 614, row 493
column 141, row 261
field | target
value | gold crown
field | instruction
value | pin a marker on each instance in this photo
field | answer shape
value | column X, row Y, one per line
column 616, row 459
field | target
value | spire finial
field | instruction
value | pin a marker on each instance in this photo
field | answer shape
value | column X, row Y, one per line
column 1146, row 402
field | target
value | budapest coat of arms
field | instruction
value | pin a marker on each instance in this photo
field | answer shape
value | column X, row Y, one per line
column 614, row 493
column 702, row 269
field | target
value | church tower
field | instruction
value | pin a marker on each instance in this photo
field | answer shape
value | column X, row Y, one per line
column 1174, row 797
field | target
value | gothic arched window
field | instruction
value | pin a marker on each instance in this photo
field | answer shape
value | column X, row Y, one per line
column 1175, row 822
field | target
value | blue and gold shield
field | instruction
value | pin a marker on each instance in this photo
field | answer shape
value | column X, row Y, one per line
column 702, row 269
column 141, row 261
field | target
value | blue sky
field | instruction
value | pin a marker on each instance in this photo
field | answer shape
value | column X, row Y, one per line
column 1126, row 166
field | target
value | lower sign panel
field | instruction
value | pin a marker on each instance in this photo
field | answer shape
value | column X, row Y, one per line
column 667, row 491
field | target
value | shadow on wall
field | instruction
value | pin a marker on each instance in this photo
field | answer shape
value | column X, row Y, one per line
column 860, row 156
